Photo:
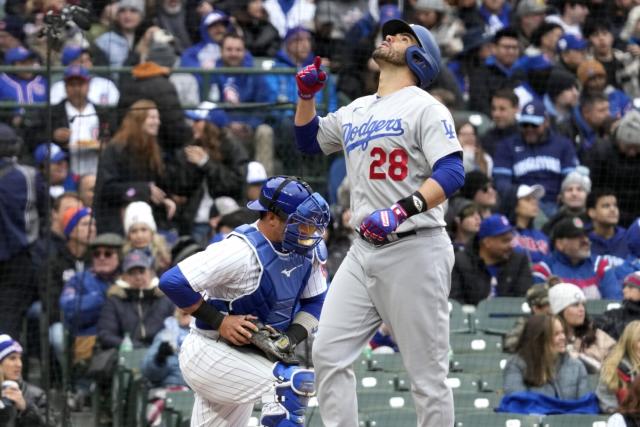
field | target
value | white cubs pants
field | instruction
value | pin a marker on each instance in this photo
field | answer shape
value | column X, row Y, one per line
column 227, row 380
column 406, row 285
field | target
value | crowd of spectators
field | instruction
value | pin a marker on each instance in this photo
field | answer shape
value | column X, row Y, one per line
column 143, row 167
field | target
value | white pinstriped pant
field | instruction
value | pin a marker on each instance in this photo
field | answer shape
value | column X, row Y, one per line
column 227, row 380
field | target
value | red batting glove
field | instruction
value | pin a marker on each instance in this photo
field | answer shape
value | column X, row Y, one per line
column 310, row 79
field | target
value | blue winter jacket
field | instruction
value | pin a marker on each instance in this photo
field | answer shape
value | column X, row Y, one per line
column 532, row 242
column 15, row 89
column 81, row 301
column 169, row 373
column 545, row 163
column 614, row 277
column 587, row 275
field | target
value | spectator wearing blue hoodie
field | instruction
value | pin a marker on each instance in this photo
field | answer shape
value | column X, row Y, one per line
column 84, row 295
column 206, row 53
column 25, row 87
column 160, row 364
column 608, row 240
column 535, row 155
column 497, row 72
column 614, row 277
column 526, row 238
column 247, row 128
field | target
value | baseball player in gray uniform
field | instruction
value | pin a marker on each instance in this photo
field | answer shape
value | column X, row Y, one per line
column 403, row 161
column 269, row 271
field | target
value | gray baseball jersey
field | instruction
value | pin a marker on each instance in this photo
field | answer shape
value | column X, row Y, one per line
column 391, row 144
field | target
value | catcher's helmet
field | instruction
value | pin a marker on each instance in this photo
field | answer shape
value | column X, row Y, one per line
column 423, row 59
column 306, row 213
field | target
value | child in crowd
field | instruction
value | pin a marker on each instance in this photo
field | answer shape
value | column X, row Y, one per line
column 141, row 233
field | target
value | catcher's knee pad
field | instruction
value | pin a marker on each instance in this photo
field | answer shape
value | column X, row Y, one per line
column 292, row 396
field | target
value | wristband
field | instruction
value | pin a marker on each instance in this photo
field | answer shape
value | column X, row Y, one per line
column 209, row 314
column 413, row 204
column 306, row 96
column 296, row 333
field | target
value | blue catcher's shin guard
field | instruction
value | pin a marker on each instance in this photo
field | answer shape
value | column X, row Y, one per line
column 292, row 397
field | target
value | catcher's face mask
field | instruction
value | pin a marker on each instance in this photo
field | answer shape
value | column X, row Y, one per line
column 305, row 227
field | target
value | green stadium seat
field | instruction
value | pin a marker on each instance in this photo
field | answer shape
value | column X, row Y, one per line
column 497, row 315
column 475, row 402
column 479, row 363
column 458, row 319
column 496, row 420
column 597, row 307
column 391, row 362
column 395, row 418
column 575, row 421
column 383, row 400
column 180, row 405
column 133, row 359
column 463, row 382
column 492, row 382
column 375, row 380
column 473, row 343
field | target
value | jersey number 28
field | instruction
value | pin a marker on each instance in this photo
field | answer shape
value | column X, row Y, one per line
column 396, row 160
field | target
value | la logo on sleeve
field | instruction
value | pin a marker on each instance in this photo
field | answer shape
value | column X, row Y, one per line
column 449, row 131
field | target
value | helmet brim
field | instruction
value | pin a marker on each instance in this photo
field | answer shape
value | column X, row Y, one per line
column 256, row 206
column 397, row 26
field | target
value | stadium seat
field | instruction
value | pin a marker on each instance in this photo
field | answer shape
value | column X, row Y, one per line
column 474, row 343
column 395, row 418
column 596, row 307
column 463, row 382
column 497, row 315
column 375, row 380
column 386, row 362
column 179, row 405
column 383, row 400
column 458, row 319
column 479, row 363
column 475, row 402
column 496, row 420
column 492, row 382
column 575, row 421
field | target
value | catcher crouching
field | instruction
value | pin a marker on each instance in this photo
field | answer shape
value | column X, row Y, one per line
column 255, row 295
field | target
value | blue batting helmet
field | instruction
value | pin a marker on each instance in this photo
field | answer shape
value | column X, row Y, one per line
column 306, row 213
column 423, row 59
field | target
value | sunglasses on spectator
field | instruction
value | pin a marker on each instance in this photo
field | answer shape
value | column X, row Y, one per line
column 106, row 253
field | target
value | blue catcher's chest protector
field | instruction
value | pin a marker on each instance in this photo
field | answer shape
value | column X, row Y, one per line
column 282, row 280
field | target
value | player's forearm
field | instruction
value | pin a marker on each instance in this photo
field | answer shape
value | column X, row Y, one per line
column 305, row 111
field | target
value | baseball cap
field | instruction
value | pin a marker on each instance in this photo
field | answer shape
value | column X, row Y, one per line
column 530, row 7
column 18, row 54
column 629, row 128
column 533, row 113
column 256, row 173
column 389, row 12
column 42, row 151
column 538, row 295
column 563, row 295
column 136, row 258
column 571, row 42
column 215, row 17
column 590, row 68
column 535, row 190
column 633, row 238
column 111, row 240
column 226, row 205
column 292, row 32
column 8, row 345
column 210, row 112
column 76, row 72
column 632, row 279
column 71, row 53
column 494, row 225
column 475, row 37
column 568, row 228
column 533, row 63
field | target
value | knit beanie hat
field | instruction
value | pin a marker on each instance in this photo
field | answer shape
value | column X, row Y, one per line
column 563, row 295
column 632, row 279
column 8, row 345
column 139, row 213
column 590, row 68
column 71, row 217
column 132, row 4
column 580, row 177
column 558, row 82
column 629, row 128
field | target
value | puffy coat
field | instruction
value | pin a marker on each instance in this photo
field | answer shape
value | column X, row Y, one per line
column 614, row 321
column 594, row 355
column 139, row 312
column 81, row 301
column 569, row 382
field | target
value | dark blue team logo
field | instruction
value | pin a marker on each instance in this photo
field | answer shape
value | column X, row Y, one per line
column 360, row 136
column 449, row 130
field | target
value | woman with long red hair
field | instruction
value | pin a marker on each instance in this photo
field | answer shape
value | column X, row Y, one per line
column 132, row 169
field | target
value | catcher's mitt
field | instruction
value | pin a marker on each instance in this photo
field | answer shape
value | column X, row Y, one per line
column 274, row 344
